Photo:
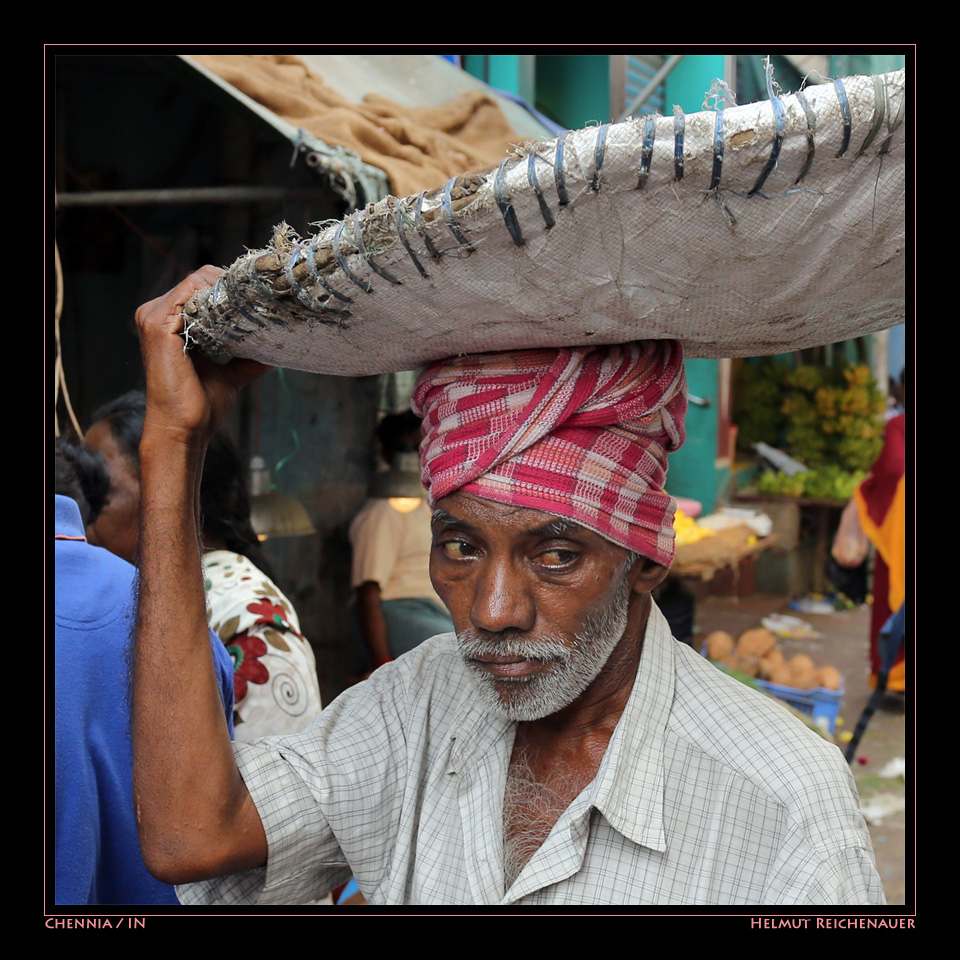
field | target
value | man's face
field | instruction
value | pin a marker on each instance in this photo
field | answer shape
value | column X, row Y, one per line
column 539, row 603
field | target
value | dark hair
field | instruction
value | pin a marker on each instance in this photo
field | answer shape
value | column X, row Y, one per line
column 399, row 433
column 82, row 475
column 125, row 415
column 224, row 501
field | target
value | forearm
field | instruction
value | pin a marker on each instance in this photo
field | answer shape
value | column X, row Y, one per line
column 194, row 814
column 373, row 626
column 192, row 805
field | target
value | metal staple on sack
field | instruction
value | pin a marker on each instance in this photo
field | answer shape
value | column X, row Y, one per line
column 402, row 234
column 256, row 321
column 717, row 151
column 811, row 116
column 359, row 281
column 446, row 206
column 506, row 207
column 679, row 125
column 879, row 109
column 717, row 170
column 558, row 171
column 303, row 295
column 215, row 326
column 646, row 151
column 845, row 113
column 892, row 128
column 598, row 155
column 265, row 291
column 362, row 250
column 318, row 278
column 771, row 164
column 418, row 225
column 535, row 183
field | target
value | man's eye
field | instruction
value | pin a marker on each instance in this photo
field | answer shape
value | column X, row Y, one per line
column 458, row 549
column 557, row 558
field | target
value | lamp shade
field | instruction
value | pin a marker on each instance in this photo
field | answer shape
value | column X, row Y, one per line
column 274, row 514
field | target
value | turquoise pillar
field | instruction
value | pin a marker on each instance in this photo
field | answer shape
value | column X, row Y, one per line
column 574, row 89
column 690, row 79
column 514, row 73
column 695, row 470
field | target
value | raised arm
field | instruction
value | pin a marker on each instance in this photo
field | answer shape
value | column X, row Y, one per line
column 195, row 817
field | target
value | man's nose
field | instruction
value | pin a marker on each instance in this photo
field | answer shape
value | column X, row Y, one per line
column 502, row 600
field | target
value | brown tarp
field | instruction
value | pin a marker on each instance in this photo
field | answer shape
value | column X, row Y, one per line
column 418, row 147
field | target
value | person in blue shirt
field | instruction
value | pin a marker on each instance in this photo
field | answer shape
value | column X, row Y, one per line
column 97, row 856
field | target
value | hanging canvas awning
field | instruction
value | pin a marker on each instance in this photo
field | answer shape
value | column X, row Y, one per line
column 390, row 123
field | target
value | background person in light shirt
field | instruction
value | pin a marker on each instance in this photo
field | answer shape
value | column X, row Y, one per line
column 397, row 607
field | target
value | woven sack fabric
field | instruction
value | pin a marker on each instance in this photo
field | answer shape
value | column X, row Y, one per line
column 751, row 230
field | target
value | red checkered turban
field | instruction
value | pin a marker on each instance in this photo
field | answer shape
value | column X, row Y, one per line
column 581, row 433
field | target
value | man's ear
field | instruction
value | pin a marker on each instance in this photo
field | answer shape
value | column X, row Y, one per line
column 646, row 574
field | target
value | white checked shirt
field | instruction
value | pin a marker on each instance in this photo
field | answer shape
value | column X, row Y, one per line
column 709, row 793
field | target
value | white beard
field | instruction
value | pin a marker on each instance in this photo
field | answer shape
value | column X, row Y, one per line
column 570, row 671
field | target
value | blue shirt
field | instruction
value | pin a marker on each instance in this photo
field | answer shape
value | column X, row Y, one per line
column 97, row 853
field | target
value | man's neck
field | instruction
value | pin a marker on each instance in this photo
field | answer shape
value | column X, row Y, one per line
column 555, row 758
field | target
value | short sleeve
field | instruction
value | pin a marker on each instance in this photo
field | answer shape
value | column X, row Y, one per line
column 336, row 787
column 272, row 665
column 376, row 536
column 847, row 879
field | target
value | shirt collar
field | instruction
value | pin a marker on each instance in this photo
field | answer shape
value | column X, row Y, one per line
column 67, row 521
column 629, row 786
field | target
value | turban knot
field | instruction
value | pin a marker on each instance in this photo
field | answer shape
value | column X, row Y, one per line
column 581, row 433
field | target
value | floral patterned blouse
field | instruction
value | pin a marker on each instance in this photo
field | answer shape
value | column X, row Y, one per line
column 274, row 670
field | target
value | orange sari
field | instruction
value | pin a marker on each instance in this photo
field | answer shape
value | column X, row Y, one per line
column 881, row 506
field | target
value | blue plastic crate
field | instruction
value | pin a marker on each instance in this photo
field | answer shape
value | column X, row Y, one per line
column 822, row 705
column 819, row 703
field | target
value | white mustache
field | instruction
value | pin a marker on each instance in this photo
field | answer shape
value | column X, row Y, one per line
column 511, row 643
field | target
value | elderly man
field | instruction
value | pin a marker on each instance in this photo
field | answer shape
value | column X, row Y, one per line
column 561, row 749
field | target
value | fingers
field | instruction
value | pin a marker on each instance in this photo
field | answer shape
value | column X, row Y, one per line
column 187, row 394
column 165, row 311
column 177, row 400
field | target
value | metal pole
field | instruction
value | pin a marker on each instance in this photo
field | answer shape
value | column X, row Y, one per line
column 186, row 195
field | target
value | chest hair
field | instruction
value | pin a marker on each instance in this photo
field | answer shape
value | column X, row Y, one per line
column 537, row 793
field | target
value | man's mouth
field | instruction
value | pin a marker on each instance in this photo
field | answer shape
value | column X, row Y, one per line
column 512, row 657
column 510, row 665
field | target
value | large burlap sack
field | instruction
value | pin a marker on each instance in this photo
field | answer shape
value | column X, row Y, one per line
column 753, row 230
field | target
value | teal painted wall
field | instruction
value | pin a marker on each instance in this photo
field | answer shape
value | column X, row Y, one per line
column 574, row 89
column 511, row 72
column 850, row 64
column 690, row 79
